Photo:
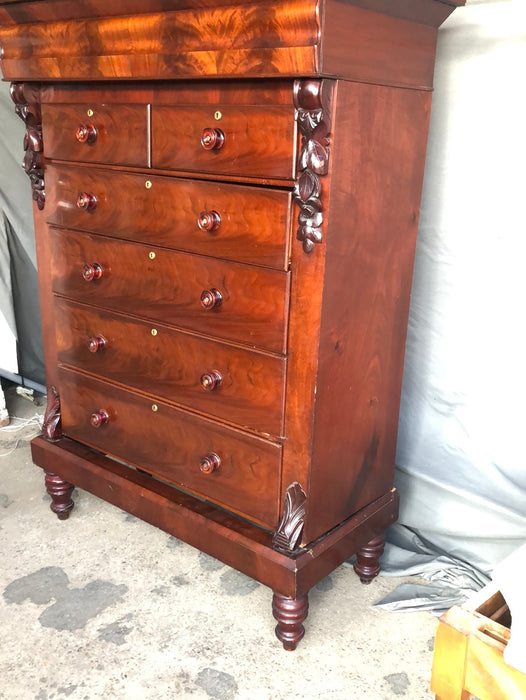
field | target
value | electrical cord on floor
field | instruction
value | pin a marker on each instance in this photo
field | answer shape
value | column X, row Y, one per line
column 17, row 425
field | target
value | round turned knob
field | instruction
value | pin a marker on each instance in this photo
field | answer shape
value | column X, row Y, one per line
column 211, row 299
column 92, row 271
column 210, row 463
column 212, row 139
column 98, row 418
column 209, row 221
column 210, row 380
column 86, row 201
column 96, row 343
column 86, row 133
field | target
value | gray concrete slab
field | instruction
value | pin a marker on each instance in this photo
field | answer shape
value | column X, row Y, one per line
column 104, row 605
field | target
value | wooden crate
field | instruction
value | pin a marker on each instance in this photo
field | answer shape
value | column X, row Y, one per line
column 469, row 646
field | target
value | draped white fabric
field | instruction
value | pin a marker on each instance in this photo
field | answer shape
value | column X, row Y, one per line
column 461, row 458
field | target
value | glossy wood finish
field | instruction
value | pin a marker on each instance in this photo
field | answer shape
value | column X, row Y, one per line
column 307, row 257
column 20, row 11
column 254, row 223
column 287, row 37
column 258, row 141
column 122, row 133
column 170, row 364
column 370, row 259
column 214, row 531
column 170, row 444
column 269, row 38
column 168, row 286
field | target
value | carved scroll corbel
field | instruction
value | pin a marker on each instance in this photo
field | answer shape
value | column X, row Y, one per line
column 33, row 162
column 313, row 101
column 288, row 533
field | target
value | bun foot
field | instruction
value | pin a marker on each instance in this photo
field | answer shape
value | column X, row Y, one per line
column 60, row 492
column 367, row 559
column 290, row 614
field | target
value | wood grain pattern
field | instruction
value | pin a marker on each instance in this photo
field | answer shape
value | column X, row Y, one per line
column 122, row 133
column 170, row 444
column 365, row 40
column 217, row 532
column 378, row 48
column 169, row 286
column 366, row 293
column 21, row 11
column 258, row 141
column 260, row 38
column 171, row 363
column 255, row 223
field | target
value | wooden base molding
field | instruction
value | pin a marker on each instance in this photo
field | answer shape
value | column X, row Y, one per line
column 234, row 541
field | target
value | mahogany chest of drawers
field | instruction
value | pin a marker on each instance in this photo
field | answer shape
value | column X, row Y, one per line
column 226, row 203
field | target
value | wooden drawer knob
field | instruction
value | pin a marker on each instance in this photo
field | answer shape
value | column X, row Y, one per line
column 211, row 299
column 209, row 221
column 210, row 463
column 212, row 139
column 92, row 272
column 98, row 418
column 86, row 133
column 96, row 343
column 210, row 380
column 86, row 201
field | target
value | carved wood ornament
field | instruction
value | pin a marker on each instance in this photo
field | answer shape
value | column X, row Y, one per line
column 51, row 428
column 312, row 99
column 288, row 532
column 33, row 163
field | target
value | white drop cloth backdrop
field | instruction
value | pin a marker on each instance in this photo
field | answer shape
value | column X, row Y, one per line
column 461, row 462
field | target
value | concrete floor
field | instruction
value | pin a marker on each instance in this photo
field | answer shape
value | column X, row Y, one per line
column 106, row 606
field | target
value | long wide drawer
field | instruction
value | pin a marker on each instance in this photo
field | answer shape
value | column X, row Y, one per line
column 223, row 299
column 235, row 140
column 238, row 385
column 225, row 221
column 113, row 134
column 235, row 470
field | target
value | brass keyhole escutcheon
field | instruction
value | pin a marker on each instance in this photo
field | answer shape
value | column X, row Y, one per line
column 155, row 407
column 89, row 112
column 151, row 255
column 218, row 115
column 154, row 332
column 148, row 184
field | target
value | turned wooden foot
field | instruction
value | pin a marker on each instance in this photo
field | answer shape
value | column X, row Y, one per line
column 60, row 492
column 290, row 614
column 367, row 559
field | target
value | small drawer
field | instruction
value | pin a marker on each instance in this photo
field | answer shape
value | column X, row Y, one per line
column 224, row 465
column 114, row 134
column 223, row 299
column 241, row 223
column 234, row 140
column 240, row 386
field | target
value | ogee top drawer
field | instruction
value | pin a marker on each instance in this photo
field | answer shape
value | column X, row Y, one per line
column 240, row 385
column 224, row 465
column 114, row 134
column 229, row 300
column 242, row 223
column 247, row 141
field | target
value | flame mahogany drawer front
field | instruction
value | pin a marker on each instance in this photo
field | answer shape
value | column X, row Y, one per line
column 229, row 300
column 244, row 140
column 238, row 385
column 231, row 468
column 225, row 221
column 114, row 134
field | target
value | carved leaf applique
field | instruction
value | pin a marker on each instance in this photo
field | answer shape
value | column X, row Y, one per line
column 288, row 533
